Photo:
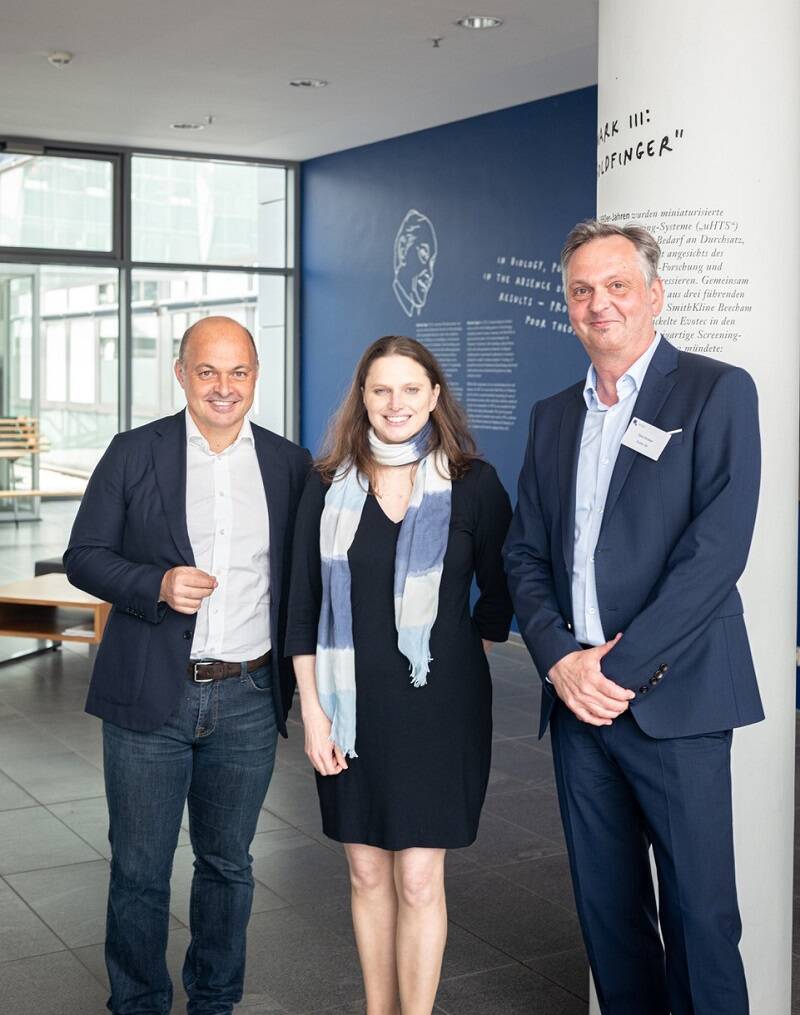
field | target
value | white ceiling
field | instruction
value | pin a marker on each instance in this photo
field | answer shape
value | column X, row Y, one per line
column 140, row 66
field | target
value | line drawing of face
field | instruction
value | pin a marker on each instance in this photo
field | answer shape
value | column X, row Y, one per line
column 415, row 250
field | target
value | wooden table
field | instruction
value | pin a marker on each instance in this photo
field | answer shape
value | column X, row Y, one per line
column 49, row 608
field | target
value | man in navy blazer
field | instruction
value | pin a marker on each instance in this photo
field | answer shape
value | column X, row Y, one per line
column 637, row 500
column 186, row 528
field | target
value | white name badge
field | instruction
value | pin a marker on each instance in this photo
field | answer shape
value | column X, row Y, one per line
column 645, row 438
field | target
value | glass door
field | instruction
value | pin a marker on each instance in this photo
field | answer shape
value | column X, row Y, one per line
column 19, row 388
column 59, row 329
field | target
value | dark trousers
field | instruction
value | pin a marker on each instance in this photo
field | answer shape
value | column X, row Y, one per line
column 216, row 752
column 621, row 791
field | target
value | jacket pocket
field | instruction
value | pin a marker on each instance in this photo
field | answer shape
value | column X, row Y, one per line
column 119, row 669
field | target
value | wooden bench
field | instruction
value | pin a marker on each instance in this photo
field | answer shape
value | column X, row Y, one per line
column 19, row 438
column 21, row 434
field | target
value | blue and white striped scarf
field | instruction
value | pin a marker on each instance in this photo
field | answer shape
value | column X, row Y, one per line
column 421, row 545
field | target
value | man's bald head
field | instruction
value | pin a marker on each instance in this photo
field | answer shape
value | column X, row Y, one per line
column 218, row 327
column 217, row 368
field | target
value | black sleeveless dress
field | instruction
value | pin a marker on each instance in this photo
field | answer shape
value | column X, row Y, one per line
column 423, row 752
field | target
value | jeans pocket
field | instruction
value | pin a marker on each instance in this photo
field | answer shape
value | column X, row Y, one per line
column 260, row 679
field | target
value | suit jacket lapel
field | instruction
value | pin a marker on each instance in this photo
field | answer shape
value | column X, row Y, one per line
column 169, row 461
column 276, row 488
column 569, row 442
column 657, row 384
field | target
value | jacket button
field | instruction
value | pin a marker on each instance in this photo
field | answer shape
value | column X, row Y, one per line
column 662, row 668
column 654, row 679
column 187, row 635
column 644, row 689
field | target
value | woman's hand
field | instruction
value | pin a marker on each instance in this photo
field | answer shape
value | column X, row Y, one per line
column 486, row 645
column 323, row 754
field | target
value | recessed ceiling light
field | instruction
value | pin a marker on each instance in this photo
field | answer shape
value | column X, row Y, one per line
column 479, row 21
column 59, row 59
column 188, row 126
column 308, row 83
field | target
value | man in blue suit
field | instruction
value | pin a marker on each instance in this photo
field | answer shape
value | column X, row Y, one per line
column 637, row 500
column 186, row 528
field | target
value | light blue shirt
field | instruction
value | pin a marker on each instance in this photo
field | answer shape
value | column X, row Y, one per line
column 603, row 430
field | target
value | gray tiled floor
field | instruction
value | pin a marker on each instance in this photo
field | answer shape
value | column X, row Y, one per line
column 514, row 945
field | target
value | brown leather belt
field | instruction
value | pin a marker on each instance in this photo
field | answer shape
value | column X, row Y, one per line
column 203, row 671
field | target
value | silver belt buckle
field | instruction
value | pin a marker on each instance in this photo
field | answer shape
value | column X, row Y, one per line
column 201, row 680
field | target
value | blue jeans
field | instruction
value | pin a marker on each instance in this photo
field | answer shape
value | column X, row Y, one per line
column 217, row 751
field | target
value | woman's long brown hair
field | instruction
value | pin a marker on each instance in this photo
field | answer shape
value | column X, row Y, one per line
column 346, row 439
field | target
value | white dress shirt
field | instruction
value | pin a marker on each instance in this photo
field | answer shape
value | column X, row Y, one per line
column 228, row 523
column 603, row 430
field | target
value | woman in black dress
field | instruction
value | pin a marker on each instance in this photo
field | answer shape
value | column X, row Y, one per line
column 402, row 514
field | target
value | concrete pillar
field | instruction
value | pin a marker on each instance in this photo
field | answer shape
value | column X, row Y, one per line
column 699, row 139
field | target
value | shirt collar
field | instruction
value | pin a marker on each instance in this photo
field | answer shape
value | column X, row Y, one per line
column 630, row 382
column 194, row 437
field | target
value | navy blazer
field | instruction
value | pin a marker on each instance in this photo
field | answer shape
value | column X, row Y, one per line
column 130, row 529
column 673, row 542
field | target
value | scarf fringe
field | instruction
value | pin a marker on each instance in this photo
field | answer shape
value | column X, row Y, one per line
column 419, row 673
column 348, row 752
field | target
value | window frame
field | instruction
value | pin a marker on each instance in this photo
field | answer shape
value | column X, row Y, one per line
column 120, row 256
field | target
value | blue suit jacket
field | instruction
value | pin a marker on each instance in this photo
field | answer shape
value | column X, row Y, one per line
column 673, row 542
column 130, row 529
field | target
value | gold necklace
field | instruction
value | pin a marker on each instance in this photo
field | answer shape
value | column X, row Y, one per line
column 412, row 473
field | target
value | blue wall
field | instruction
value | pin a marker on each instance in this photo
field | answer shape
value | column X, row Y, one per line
column 508, row 184
column 503, row 186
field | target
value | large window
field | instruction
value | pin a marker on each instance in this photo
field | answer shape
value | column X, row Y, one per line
column 56, row 203
column 93, row 301
column 165, row 303
column 187, row 211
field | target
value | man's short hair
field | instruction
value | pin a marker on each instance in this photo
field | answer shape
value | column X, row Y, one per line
column 188, row 334
column 592, row 229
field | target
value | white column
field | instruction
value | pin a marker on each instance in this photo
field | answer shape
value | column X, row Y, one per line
column 699, row 140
